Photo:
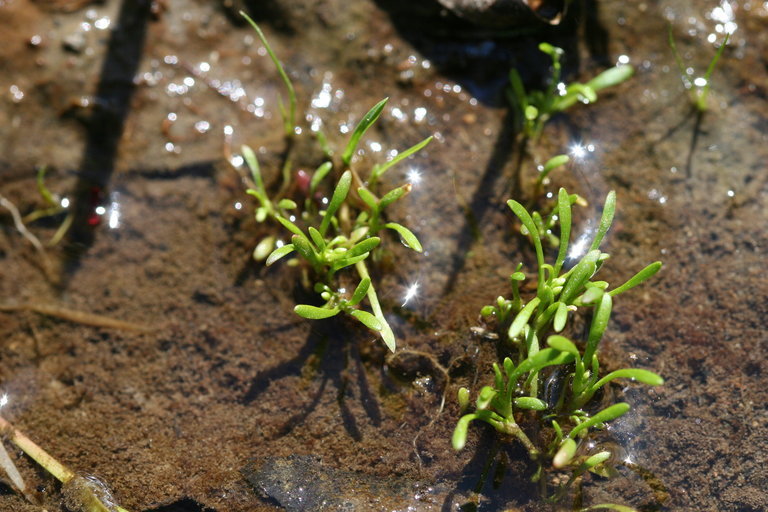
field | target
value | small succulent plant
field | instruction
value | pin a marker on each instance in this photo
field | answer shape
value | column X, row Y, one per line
column 534, row 108
column 698, row 87
column 338, row 233
column 557, row 381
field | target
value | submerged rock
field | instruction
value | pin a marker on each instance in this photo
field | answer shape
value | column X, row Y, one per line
column 303, row 483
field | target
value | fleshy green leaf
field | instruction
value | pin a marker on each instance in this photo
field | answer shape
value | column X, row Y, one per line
column 579, row 275
column 612, row 76
column 368, row 198
column 367, row 319
column 459, row 439
column 279, row 253
column 317, row 238
column 264, row 248
column 290, row 226
column 318, row 176
column 315, row 313
column 408, row 238
column 364, row 246
column 360, row 291
column 636, row 374
column 522, row 319
column 561, row 317
column 253, row 164
column 304, row 247
column 605, row 220
column 600, row 319
column 604, row 416
column 394, row 194
column 638, row 278
column 522, row 214
column 565, row 453
column 346, row 262
column 529, row 402
column 564, row 210
column 339, row 195
column 287, row 204
column 562, row 344
column 361, row 128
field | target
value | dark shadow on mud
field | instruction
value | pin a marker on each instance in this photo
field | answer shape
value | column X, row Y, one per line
column 332, row 359
column 488, row 480
column 105, row 127
column 486, row 197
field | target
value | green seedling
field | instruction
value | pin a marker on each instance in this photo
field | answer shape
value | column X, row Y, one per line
column 81, row 493
column 698, row 87
column 535, row 108
column 557, row 382
column 334, row 235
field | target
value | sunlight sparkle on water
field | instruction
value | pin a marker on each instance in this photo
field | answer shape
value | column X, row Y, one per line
column 411, row 292
column 579, row 247
column 3, row 400
column 413, row 176
column 113, row 219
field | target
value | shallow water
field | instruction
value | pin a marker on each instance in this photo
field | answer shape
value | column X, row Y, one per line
column 231, row 378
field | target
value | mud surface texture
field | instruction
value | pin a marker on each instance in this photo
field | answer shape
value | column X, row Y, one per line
column 137, row 108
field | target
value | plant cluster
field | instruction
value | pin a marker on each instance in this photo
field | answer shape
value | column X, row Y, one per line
column 698, row 87
column 557, row 381
column 332, row 235
column 534, row 108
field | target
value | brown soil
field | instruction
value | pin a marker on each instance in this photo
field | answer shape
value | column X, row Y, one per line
column 231, row 383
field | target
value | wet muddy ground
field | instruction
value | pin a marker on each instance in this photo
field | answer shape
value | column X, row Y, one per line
column 232, row 396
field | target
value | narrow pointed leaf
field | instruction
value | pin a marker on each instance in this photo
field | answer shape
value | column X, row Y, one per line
column 279, row 253
column 368, row 198
column 364, row 246
column 339, row 195
column 346, row 262
column 605, row 220
column 564, row 211
column 522, row 214
column 579, row 275
column 289, row 119
column 317, row 238
column 253, row 164
column 360, row 292
column 600, row 319
column 361, row 128
column 638, row 278
column 290, row 226
column 303, row 246
column 381, row 169
column 394, row 194
column 318, row 176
